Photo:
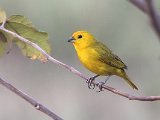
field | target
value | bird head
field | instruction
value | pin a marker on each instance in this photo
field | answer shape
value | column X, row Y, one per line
column 81, row 39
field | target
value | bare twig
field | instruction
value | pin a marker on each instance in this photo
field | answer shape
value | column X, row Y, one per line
column 140, row 4
column 73, row 70
column 154, row 16
column 3, row 23
column 148, row 7
column 132, row 97
column 33, row 102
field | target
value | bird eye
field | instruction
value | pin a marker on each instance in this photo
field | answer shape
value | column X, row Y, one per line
column 79, row 36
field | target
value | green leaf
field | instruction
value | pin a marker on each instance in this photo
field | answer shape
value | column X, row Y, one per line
column 3, row 39
column 20, row 19
column 9, row 40
column 3, row 42
column 23, row 27
column 2, row 15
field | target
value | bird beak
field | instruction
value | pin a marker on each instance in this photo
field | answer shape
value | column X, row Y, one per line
column 71, row 39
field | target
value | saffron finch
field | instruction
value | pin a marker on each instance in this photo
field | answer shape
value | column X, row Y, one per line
column 98, row 58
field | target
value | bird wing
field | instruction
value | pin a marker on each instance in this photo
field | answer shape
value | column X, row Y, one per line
column 106, row 56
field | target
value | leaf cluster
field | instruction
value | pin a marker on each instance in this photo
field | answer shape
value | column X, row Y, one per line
column 23, row 27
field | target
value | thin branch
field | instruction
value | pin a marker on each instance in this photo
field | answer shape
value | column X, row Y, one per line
column 148, row 7
column 73, row 70
column 154, row 16
column 33, row 102
column 3, row 23
column 140, row 4
column 132, row 97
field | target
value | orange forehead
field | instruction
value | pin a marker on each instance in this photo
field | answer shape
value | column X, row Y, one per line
column 79, row 33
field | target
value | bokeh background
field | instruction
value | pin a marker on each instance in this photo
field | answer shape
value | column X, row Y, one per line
column 118, row 24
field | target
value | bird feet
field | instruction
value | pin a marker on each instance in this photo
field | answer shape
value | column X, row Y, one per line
column 92, row 85
column 99, row 85
column 90, row 82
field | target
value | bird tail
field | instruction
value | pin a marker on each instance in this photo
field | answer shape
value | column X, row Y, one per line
column 127, row 79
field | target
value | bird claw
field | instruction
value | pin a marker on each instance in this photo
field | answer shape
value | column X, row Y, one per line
column 90, row 82
column 99, row 85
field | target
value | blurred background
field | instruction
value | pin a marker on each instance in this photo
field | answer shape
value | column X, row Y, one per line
column 118, row 24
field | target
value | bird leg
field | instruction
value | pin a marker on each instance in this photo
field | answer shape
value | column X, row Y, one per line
column 90, row 80
column 99, row 84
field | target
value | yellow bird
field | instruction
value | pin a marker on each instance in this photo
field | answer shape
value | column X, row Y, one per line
column 98, row 58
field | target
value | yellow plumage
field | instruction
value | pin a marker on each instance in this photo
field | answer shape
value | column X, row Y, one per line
column 97, row 57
